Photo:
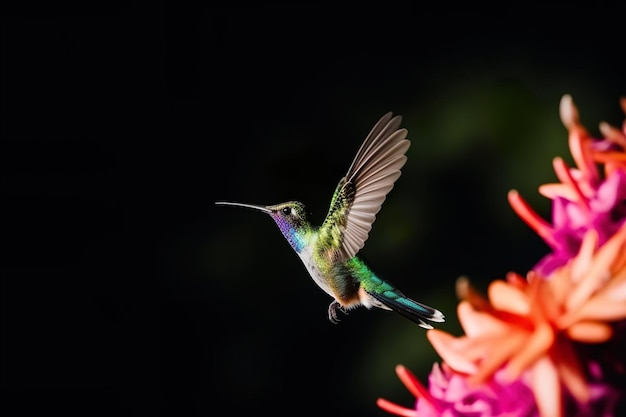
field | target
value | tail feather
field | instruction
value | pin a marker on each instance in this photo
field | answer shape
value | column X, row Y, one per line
column 410, row 309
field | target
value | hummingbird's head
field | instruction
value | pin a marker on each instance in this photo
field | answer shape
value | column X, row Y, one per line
column 290, row 217
column 291, row 220
column 291, row 213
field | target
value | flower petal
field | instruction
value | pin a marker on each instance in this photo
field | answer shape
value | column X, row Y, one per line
column 442, row 342
column 613, row 134
column 546, row 388
column 508, row 298
column 555, row 190
column 465, row 291
column 582, row 261
column 579, row 142
column 609, row 304
column 532, row 219
column 498, row 354
column 599, row 271
column 564, row 174
column 595, row 309
column 560, row 285
column 568, row 112
column 590, row 332
column 534, row 348
column 396, row 409
column 413, row 384
column 477, row 323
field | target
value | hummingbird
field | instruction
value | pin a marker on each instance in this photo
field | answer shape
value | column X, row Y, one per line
column 329, row 252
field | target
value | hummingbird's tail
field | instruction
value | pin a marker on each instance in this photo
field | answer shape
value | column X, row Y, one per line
column 411, row 309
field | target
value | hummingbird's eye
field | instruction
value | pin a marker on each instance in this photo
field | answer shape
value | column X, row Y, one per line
column 286, row 211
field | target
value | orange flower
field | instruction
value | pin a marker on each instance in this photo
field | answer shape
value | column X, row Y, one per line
column 535, row 331
column 530, row 325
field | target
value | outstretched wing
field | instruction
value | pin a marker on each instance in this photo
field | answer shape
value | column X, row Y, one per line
column 362, row 191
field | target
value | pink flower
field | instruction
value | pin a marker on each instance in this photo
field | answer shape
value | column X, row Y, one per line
column 550, row 343
column 452, row 396
column 584, row 199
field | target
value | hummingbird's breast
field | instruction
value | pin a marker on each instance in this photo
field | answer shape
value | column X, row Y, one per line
column 332, row 277
column 317, row 270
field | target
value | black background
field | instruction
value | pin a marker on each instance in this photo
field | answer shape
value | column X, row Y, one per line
column 126, row 291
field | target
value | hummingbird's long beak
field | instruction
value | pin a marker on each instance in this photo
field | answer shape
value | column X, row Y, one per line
column 252, row 206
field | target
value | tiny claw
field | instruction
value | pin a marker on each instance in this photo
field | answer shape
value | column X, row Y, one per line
column 332, row 312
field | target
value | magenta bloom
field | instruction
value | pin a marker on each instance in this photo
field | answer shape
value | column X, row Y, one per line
column 458, row 399
column 605, row 212
column 550, row 343
column 450, row 395
column 585, row 199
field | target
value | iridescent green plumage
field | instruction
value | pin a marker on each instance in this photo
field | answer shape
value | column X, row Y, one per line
column 329, row 252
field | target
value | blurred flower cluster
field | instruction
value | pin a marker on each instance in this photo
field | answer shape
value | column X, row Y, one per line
column 551, row 343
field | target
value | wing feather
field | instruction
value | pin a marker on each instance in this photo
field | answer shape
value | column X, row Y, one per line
column 362, row 191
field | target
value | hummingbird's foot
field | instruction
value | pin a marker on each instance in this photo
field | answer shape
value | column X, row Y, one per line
column 332, row 312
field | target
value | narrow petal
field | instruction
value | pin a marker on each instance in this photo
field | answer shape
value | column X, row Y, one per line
column 465, row 291
column 619, row 263
column 609, row 304
column 545, row 304
column 579, row 145
column 560, row 285
column 605, row 157
column 515, row 279
column 590, row 332
column 582, row 261
column 419, row 390
column 477, row 323
column 598, row 308
column 565, row 176
column 498, row 355
column 615, row 290
column 546, row 388
column 413, row 384
column 396, row 409
column 554, row 190
column 534, row 348
column 599, row 272
column 562, row 172
column 508, row 298
column 613, row 134
column 532, row 219
column 568, row 112
column 442, row 342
